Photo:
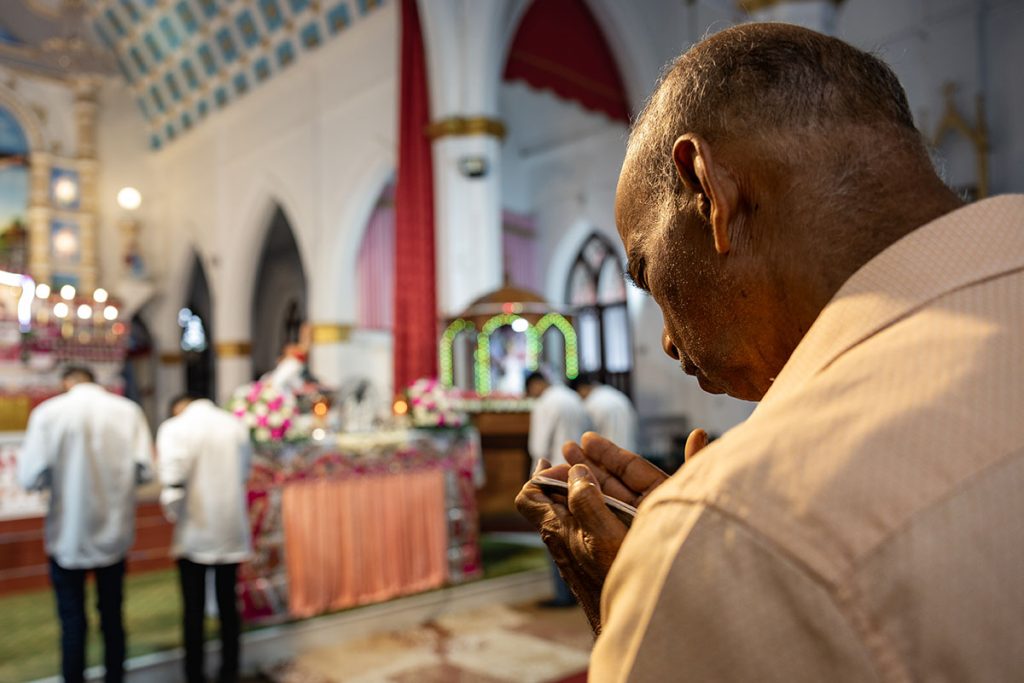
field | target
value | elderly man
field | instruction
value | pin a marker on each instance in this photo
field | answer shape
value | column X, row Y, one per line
column 865, row 522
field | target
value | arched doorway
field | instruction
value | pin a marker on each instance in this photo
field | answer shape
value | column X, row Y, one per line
column 195, row 319
column 279, row 296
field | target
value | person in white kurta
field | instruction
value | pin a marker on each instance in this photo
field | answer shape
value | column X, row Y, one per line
column 557, row 416
column 612, row 413
column 204, row 456
column 90, row 449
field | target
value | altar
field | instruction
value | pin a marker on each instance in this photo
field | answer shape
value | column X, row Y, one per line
column 360, row 518
column 346, row 520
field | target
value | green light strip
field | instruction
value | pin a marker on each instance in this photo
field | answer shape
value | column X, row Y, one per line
column 572, row 364
column 447, row 350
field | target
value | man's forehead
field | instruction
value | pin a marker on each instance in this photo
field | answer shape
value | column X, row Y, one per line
column 629, row 207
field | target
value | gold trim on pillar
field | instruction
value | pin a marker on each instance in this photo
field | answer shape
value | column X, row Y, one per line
column 171, row 358
column 234, row 349
column 466, row 125
column 331, row 333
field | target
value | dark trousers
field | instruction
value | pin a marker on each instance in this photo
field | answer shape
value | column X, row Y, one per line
column 69, row 586
column 193, row 594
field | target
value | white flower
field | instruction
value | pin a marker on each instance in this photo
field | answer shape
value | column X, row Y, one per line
column 262, row 435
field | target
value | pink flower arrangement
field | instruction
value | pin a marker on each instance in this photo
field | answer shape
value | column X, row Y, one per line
column 432, row 405
column 269, row 414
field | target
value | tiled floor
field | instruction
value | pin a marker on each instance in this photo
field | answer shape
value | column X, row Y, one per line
column 496, row 644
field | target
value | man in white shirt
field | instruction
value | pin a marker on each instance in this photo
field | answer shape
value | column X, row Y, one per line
column 610, row 410
column 557, row 417
column 91, row 449
column 203, row 455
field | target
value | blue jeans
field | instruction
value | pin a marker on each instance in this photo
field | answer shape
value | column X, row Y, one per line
column 563, row 595
column 69, row 587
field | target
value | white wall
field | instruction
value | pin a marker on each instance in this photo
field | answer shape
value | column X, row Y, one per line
column 318, row 140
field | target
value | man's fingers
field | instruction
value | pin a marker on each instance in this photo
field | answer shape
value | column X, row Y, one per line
column 542, row 464
column 586, row 504
column 539, row 509
column 634, row 472
column 572, row 453
column 697, row 440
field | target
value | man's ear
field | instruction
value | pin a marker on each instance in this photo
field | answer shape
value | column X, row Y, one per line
column 716, row 190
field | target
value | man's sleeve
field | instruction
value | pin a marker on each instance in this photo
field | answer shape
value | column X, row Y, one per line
column 142, row 449
column 173, row 457
column 245, row 451
column 541, row 426
column 36, row 456
column 697, row 596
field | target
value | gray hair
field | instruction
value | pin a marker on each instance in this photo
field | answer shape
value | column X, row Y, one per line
column 759, row 83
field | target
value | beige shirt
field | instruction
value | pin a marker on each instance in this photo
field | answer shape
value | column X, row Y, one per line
column 867, row 522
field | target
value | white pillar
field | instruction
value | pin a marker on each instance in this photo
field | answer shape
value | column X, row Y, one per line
column 468, row 214
column 232, row 325
column 465, row 50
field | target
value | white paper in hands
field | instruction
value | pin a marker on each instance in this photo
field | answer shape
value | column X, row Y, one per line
column 624, row 511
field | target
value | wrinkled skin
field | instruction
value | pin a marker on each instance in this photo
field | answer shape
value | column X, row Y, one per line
column 581, row 533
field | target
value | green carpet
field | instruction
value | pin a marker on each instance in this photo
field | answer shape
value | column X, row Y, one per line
column 30, row 646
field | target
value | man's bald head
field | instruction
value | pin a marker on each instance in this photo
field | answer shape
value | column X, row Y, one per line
column 769, row 165
column 763, row 84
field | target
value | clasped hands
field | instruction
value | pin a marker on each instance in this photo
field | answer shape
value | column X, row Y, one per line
column 581, row 533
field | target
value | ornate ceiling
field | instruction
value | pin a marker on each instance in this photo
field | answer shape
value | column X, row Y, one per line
column 187, row 58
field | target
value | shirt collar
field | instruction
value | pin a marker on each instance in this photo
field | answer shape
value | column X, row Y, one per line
column 978, row 241
column 85, row 386
column 198, row 403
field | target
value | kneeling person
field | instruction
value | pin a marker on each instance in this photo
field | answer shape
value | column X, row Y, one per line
column 203, row 459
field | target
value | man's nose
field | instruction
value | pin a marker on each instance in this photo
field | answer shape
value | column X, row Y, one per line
column 668, row 346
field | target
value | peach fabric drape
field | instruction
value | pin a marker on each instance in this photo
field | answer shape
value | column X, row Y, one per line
column 363, row 539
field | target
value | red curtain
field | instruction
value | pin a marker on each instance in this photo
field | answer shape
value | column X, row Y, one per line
column 415, row 325
column 559, row 46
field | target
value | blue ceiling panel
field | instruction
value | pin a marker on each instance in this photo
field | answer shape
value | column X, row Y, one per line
column 185, row 58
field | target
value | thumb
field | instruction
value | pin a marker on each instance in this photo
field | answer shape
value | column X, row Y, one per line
column 585, row 500
column 697, row 440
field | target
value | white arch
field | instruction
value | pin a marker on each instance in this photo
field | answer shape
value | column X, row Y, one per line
column 233, row 282
column 27, row 119
column 335, row 301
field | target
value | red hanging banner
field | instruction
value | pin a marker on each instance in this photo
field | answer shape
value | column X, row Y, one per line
column 415, row 324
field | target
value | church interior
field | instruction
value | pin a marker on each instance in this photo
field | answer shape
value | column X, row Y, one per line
column 415, row 199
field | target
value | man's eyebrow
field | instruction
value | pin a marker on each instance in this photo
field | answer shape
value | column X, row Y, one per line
column 633, row 262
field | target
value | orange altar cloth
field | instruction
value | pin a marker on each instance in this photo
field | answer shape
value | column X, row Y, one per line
column 360, row 520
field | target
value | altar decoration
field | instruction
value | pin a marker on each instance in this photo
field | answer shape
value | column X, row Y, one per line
column 270, row 414
column 42, row 330
column 485, row 355
column 431, row 404
column 360, row 518
column 511, row 332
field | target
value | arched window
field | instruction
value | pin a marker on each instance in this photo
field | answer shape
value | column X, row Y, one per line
column 597, row 292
